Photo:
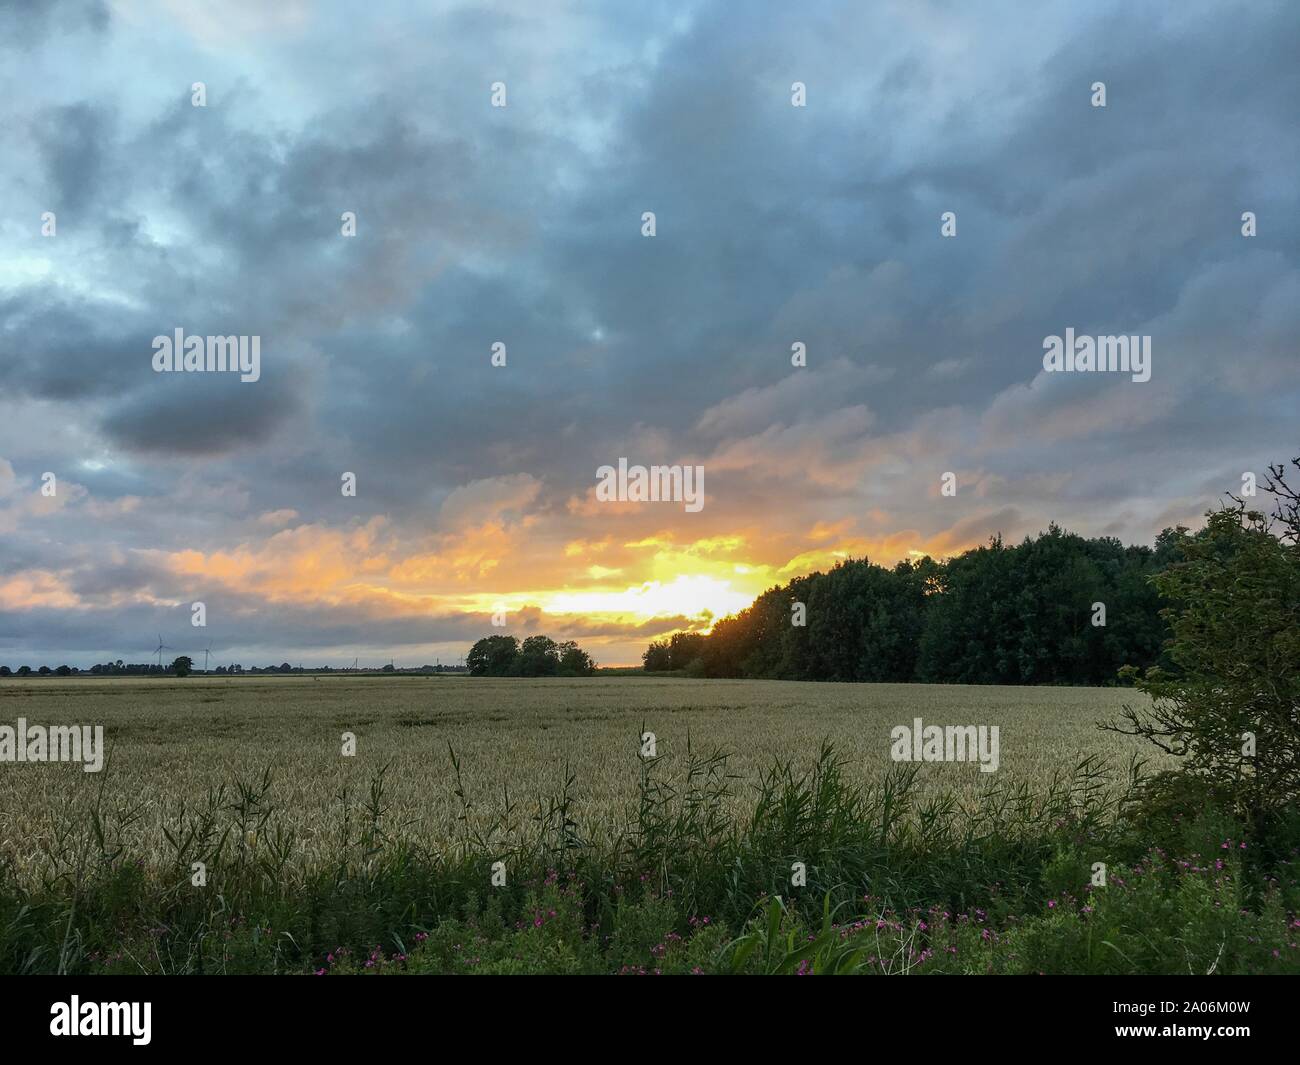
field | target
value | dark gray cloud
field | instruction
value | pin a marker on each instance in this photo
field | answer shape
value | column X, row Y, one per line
column 204, row 414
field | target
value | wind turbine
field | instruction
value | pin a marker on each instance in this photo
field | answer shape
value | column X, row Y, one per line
column 206, row 651
column 159, row 649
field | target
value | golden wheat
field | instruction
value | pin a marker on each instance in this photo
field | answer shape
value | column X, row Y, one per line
column 173, row 740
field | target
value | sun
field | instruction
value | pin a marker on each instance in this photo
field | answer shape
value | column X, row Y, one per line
column 698, row 596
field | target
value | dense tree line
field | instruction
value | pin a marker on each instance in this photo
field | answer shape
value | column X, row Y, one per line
column 998, row 614
column 537, row 656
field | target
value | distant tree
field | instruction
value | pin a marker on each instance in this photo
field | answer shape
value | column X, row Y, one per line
column 492, row 656
column 45, row 671
column 684, row 648
column 656, row 657
column 181, row 667
column 574, row 661
column 5, row 671
column 539, row 656
column 678, row 652
column 64, row 671
column 24, row 671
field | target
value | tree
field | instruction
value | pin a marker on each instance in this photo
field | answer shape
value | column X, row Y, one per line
column 655, row 658
column 1226, row 706
column 574, row 661
column 24, row 671
column 492, row 656
column 684, row 648
column 5, row 671
column 1286, row 503
column 182, row 666
column 45, row 671
column 538, row 657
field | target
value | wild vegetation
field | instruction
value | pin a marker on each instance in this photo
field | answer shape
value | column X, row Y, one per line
column 895, row 881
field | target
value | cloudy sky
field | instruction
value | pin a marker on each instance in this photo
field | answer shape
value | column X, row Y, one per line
column 522, row 224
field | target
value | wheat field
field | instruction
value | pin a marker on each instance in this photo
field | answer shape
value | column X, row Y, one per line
column 173, row 740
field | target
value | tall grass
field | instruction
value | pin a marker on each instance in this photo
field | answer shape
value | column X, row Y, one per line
column 681, row 864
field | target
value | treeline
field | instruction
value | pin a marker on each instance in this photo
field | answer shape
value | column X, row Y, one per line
column 184, row 666
column 537, row 656
column 43, row 671
column 1055, row 609
column 103, row 669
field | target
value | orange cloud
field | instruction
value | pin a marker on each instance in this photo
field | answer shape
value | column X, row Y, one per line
column 36, row 588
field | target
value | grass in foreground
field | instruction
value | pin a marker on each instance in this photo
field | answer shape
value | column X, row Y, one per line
column 899, row 880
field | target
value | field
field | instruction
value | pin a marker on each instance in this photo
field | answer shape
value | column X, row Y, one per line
column 228, row 833
column 174, row 740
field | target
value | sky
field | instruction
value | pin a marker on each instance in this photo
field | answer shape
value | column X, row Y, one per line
column 523, row 225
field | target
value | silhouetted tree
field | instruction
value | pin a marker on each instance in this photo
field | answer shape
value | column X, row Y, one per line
column 684, row 648
column 655, row 658
column 539, row 656
column 492, row 656
column 574, row 661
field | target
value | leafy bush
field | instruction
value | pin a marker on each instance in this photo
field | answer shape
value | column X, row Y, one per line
column 1227, row 707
